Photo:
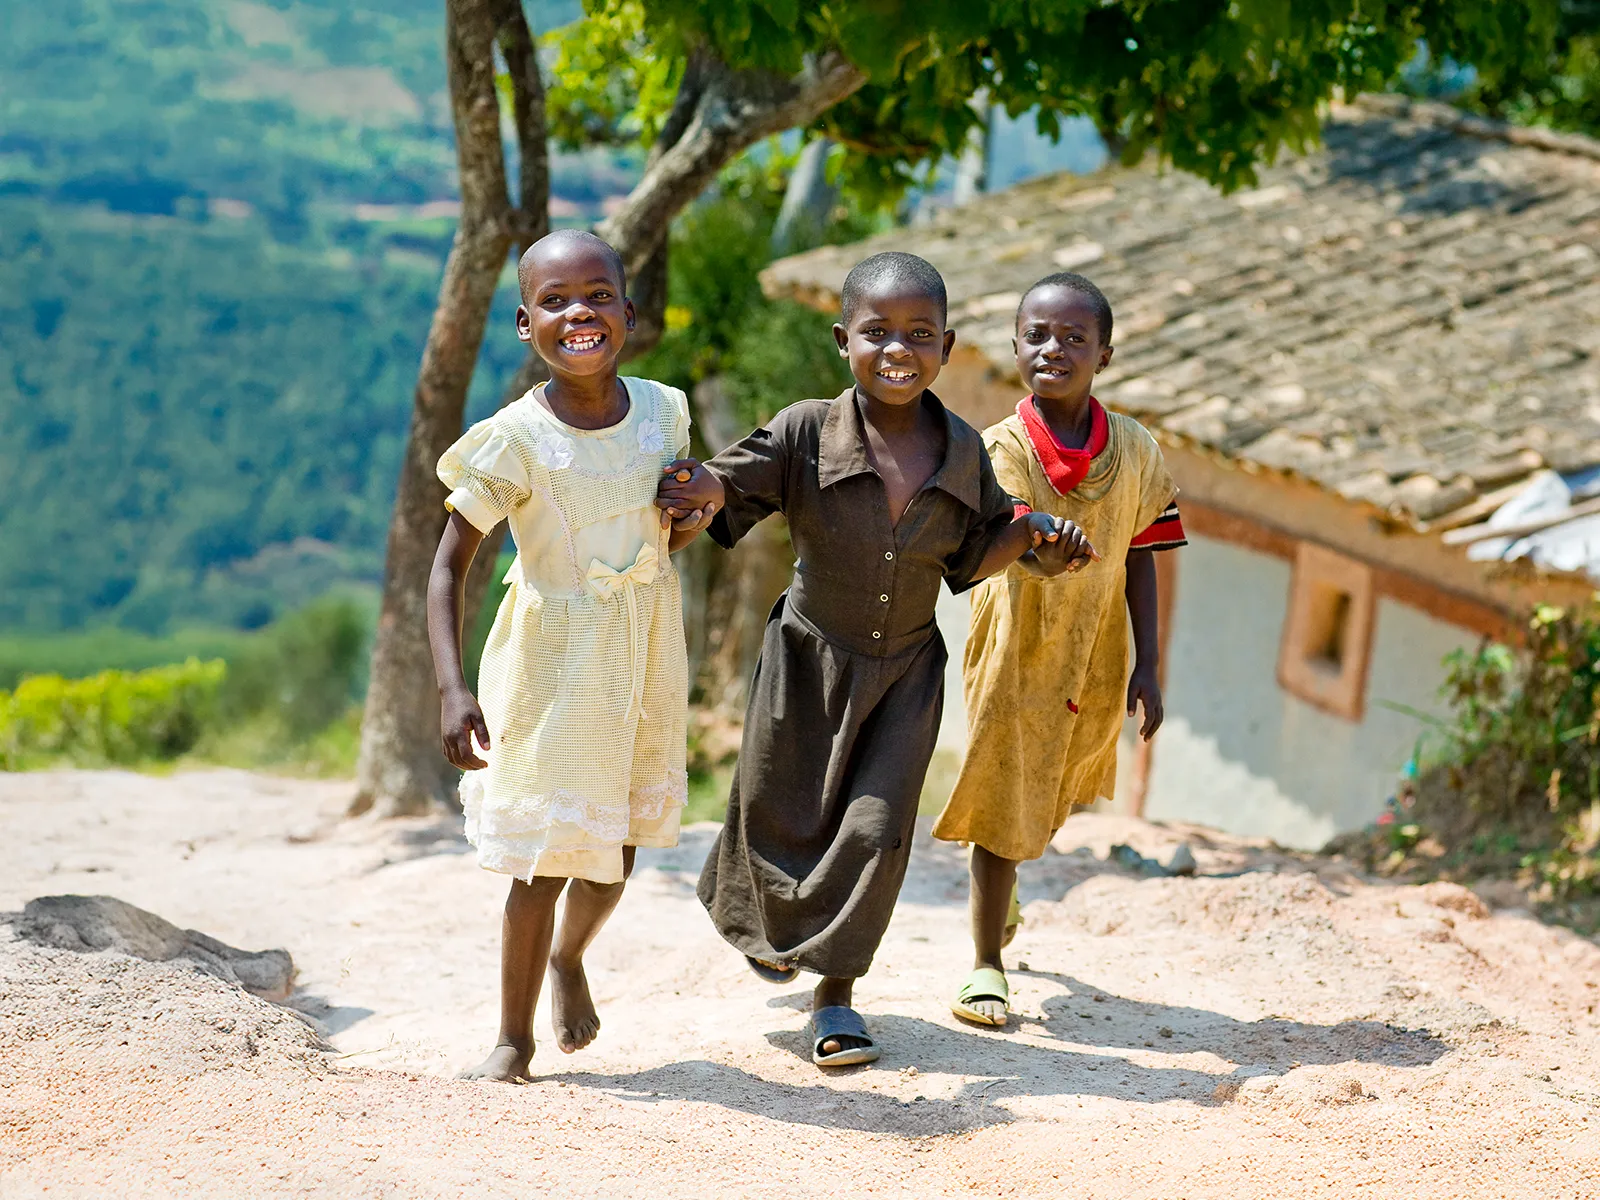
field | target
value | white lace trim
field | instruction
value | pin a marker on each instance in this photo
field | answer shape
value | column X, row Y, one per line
column 565, row 811
column 658, row 799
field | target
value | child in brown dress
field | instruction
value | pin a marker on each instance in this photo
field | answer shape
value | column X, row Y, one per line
column 887, row 495
column 1046, row 667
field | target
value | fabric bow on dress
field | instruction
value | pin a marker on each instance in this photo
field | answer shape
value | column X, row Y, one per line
column 607, row 583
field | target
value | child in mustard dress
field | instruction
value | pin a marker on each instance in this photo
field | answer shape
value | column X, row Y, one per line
column 584, row 682
column 1045, row 674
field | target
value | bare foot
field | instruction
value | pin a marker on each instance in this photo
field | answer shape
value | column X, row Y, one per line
column 506, row 1064
column 572, row 1013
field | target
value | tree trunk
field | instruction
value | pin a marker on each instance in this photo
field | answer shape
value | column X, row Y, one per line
column 401, row 769
column 972, row 168
column 728, row 594
column 807, row 200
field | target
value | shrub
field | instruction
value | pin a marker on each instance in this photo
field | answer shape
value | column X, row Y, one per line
column 302, row 672
column 112, row 717
column 1516, row 776
column 285, row 697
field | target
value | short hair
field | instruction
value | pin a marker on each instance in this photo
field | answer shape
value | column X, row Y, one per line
column 578, row 237
column 1073, row 282
column 896, row 269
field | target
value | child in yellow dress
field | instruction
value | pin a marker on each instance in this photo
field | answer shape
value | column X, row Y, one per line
column 584, row 681
column 1045, row 675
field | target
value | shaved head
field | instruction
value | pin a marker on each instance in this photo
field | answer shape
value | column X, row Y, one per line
column 892, row 271
column 567, row 240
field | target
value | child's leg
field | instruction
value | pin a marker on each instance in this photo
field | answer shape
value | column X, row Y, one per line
column 993, row 878
column 832, row 991
column 524, row 951
column 572, row 1011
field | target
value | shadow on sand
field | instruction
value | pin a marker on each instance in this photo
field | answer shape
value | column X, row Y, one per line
column 1085, row 1021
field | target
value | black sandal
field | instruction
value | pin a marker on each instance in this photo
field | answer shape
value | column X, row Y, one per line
column 772, row 972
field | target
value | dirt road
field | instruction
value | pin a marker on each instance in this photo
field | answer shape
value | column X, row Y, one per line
column 1274, row 1028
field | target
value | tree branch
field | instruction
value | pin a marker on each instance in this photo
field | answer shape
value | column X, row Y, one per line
column 528, row 117
column 733, row 110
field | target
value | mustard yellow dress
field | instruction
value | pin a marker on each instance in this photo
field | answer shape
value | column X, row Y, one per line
column 1045, row 673
column 584, row 681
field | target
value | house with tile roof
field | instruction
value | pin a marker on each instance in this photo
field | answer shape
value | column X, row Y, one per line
column 1352, row 368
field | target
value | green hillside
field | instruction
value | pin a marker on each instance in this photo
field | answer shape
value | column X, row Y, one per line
column 221, row 228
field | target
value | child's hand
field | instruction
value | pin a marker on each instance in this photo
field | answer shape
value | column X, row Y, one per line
column 1143, row 689
column 459, row 719
column 1068, row 550
column 688, row 495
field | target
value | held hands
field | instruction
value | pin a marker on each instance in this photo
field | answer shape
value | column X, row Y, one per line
column 459, row 719
column 1059, row 544
column 688, row 495
column 1143, row 689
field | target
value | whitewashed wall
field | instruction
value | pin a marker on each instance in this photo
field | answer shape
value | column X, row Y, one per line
column 1237, row 752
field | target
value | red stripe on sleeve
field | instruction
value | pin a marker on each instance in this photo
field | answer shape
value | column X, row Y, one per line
column 1164, row 533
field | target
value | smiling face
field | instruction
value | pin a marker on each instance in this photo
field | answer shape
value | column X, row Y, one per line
column 896, row 342
column 573, row 311
column 1058, row 345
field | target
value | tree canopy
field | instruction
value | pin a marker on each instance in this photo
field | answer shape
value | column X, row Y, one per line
column 1215, row 87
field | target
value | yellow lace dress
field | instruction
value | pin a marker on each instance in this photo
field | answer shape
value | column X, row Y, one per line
column 584, row 682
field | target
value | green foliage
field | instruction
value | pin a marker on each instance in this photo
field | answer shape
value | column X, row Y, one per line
column 1215, row 87
column 84, row 652
column 608, row 85
column 215, row 285
column 768, row 353
column 286, row 696
column 112, row 717
column 301, row 673
column 1556, row 83
column 1523, row 749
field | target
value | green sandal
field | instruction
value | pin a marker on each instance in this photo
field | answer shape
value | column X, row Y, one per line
column 1013, row 919
column 985, row 983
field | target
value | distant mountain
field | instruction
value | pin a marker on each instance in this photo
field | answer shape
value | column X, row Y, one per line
column 221, row 229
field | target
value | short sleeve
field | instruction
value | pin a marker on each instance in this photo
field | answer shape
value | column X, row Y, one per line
column 755, row 474
column 1159, row 525
column 677, row 409
column 486, row 479
column 1010, row 471
column 985, row 523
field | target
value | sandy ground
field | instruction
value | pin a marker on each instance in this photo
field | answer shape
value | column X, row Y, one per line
column 1273, row 1028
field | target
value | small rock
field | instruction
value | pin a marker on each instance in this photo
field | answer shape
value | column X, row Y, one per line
column 1182, row 861
column 1164, row 1031
column 89, row 923
column 909, row 1073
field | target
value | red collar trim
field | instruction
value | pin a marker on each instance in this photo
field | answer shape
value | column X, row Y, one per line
column 1065, row 468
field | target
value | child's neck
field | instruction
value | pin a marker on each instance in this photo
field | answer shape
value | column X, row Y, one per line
column 587, row 401
column 891, row 420
column 1071, row 419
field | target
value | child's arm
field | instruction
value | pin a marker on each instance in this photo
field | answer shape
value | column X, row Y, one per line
column 1030, row 533
column 1143, row 685
column 459, row 715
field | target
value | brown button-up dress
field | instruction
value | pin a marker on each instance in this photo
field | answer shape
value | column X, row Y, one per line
column 844, row 707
